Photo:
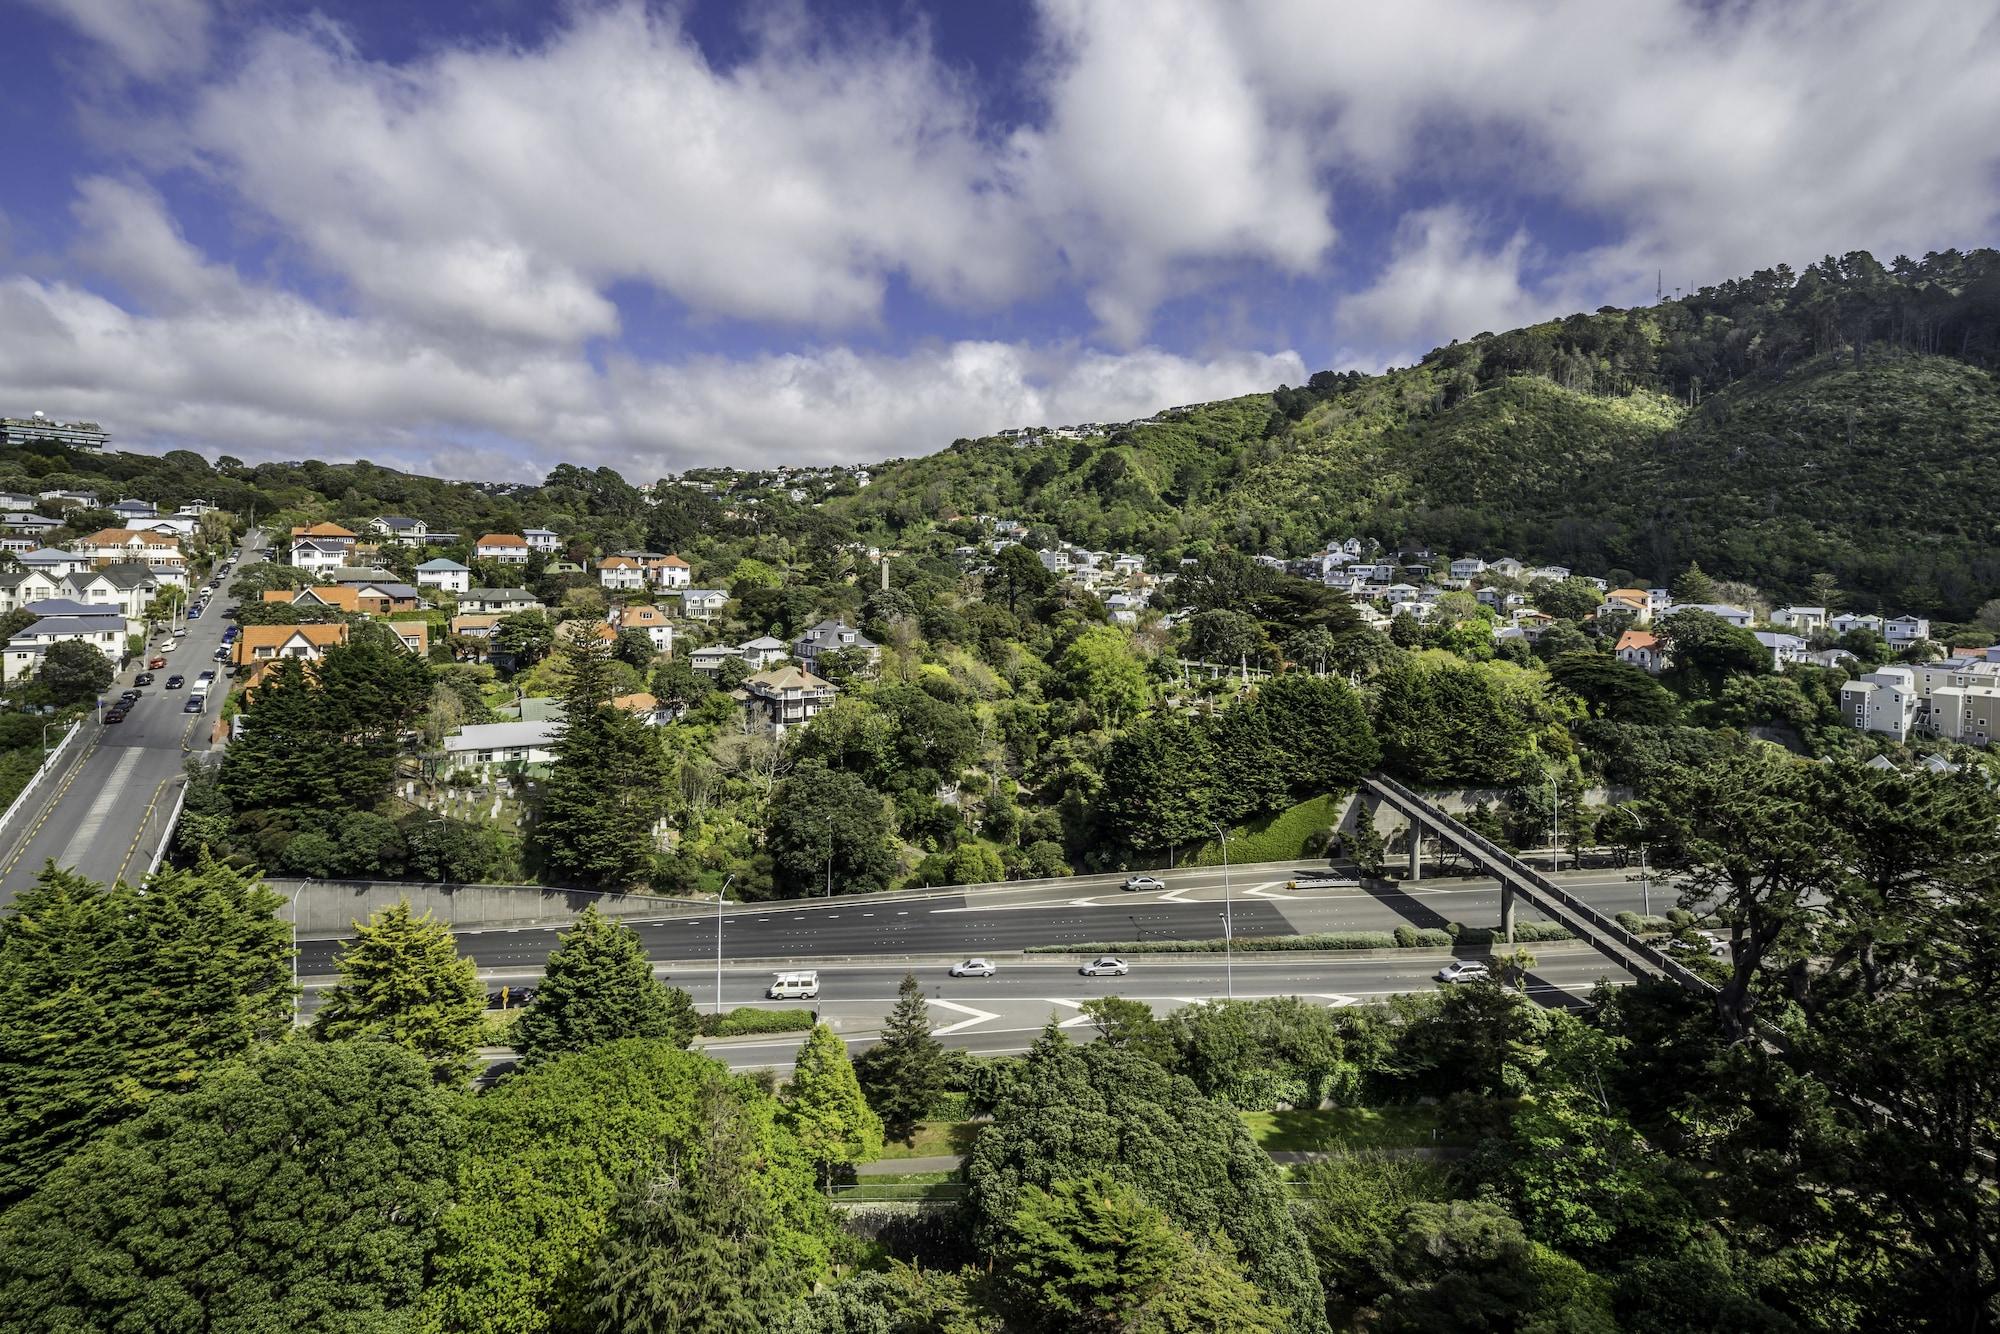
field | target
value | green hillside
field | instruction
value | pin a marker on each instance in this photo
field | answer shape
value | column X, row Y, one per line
column 1845, row 421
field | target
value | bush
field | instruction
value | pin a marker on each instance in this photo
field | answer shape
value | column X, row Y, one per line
column 1630, row 921
column 1455, row 935
column 1406, row 937
column 951, row 1107
column 748, row 1020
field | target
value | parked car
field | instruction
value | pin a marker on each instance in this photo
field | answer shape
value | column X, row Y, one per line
column 1464, row 970
column 129, row 695
column 143, row 679
column 195, row 704
column 181, row 633
column 114, row 714
column 1144, row 882
column 194, row 615
column 205, row 677
column 222, row 654
column 176, row 682
column 1105, row 967
column 157, row 663
column 974, row 968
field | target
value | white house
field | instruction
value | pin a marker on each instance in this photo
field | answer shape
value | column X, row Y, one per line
column 1883, row 701
column 50, row 560
column 446, row 575
column 542, row 539
column 501, row 601
column 621, row 574
column 1549, row 574
column 1903, row 630
column 105, row 633
column 786, row 697
column 488, row 746
column 669, row 572
column 1641, row 648
column 764, row 651
column 1849, row 620
column 316, row 555
column 1466, row 567
column 708, row 661
column 1783, row 648
column 651, row 622
column 502, row 548
column 831, row 636
column 1736, row 616
column 109, row 545
column 402, row 529
column 1506, row 567
column 702, row 603
column 1800, row 620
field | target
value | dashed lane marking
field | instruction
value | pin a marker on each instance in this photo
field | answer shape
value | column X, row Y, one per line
column 100, row 809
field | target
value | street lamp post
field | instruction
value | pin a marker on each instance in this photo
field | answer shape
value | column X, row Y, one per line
column 720, row 895
column 1645, row 883
column 1555, row 822
column 295, row 949
column 1228, row 920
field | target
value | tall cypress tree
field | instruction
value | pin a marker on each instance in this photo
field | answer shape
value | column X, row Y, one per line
column 904, row 1072
column 691, row 1252
column 599, row 986
column 825, row 1108
column 401, row 978
column 607, row 785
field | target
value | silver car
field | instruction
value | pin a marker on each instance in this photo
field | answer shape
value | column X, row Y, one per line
column 1145, row 882
column 974, row 968
column 1464, row 970
column 1105, row 967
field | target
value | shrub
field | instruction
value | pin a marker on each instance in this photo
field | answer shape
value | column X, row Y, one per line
column 747, row 1020
column 1406, row 937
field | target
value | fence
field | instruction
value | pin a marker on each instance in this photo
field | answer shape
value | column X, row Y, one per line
column 47, row 765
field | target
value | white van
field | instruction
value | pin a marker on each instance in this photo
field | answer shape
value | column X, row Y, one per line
column 795, row 986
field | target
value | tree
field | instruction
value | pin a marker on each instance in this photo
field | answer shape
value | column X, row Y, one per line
column 1703, row 650
column 83, row 1045
column 904, row 1299
column 607, row 787
column 1466, row 1265
column 1227, row 636
column 1692, row 586
column 550, row 1152
column 1021, row 571
column 1131, row 1026
column 1570, row 599
column 1613, row 689
column 1366, row 845
column 1450, row 724
column 1324, row 741
column 598, row 987
column 824, row 1106
column 1093, row 1254
column 1099, row 669
column 904, row 1072
column 691, row 1247
column 73, row 671
column 526, row 636
column 828, row 825
column 298, row 1188
column 1158, row 790
column 634, row 648
column 402, row 980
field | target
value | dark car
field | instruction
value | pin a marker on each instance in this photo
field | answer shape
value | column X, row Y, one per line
column 195, row 615
column 129, row 695
column 195, row 704
column 143, row 679
column 176, row 682
column 114, row 714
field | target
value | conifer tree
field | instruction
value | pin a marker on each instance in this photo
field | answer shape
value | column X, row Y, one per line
column 904, row 1072
column 401, row 979
column 599, row 987
column 108, row 996
column 607, row 785
column 691, row 1249
column 825, row 1108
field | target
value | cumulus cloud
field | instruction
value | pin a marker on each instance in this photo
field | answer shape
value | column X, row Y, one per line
column 227, row 365
column 149, row 38
column 1443, row 282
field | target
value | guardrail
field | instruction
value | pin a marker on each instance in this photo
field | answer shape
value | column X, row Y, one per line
column 47, row 765
column 1585, row 921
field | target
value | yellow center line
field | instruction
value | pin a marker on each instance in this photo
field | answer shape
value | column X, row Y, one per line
column 144, row 820
column 55, row 797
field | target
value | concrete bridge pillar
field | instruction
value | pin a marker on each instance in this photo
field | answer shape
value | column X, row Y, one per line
column 1416, row 849
column 1507, row 910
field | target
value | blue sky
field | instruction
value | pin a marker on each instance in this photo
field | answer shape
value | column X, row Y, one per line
column 481, row 238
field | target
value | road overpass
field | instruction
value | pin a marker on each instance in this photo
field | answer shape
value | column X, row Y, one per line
column 106, row 811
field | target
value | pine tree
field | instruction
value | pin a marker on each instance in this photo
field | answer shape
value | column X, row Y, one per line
column 691, row 1251
column 607, row 785
column 904, row 1072
column 82, row 1045
column 598, row 987
column 401, row 978
column 832, row 1120
column 1694, row 586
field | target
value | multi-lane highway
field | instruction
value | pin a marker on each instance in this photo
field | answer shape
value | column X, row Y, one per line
column 104, row 813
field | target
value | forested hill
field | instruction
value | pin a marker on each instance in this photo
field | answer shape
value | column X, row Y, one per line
column 1844, row 420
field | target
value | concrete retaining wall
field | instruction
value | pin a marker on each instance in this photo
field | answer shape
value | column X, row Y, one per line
column 331, row 907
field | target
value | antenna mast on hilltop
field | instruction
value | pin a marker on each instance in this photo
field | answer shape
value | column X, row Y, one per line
column 1659, row 285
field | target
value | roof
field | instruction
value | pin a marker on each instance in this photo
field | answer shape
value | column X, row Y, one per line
column 675, row 561
column 618, row 563
column 67, row 625
column 275, row 637
column 440, row 565
column 49, row 556
column 71, row 607
column 500, row 736
column 397, row 521
column 1637, row 639
column 323, row 530
column 474, row 620
column 687, row 593
column 639, row 702
column 341, row 597
column 106, row 537
column 357, row 574
column 127, row 575
column 1773, row 639
column 643, row 614
column 498, row 595
column 540, row 532
column 764, row 642
column 417, row 630
column 502, row 540
column 787, row 678
column 324, row 545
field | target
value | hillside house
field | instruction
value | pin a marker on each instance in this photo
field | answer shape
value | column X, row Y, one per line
column 703, row 603
column 1641, row 649
column 834, row 636
column 114, row 546
column 268, row 643
column 317, row 556
column 542, row 539
column 400, row 529
column 445, row 575
column 1783, row 648
column 505, row 601
column 783, row 698
column 621, row 574
column 1849, row 621
column 1902, row 631
column 1883, row 701
column 103, row 630
column 1806, row 621
column 651, row 622
column 502, row 549
column 484, row 747
column 764, row 651
column 1735, row 616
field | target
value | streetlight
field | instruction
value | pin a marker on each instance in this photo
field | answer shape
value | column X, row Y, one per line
column 295, row 949
column 720, row 894
column 1228, row 921
column 1555, row 822
column 1645, row 883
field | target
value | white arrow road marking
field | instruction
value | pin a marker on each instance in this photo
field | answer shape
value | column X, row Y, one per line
column 1337, row 999
column 1074, row 1005
column 1174, row 895
column 978, row 1017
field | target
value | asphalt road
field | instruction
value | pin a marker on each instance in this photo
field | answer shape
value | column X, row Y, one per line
column 1003, row 1013
column 105, row 813
column 1084, row 910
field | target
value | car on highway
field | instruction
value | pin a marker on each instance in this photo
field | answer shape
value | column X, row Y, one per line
column 1464, row 970
column 1143, row 882
column 175, row 682
column 1106, row 966
column 1700, row 942
column 973, row 968
column 143, row 679
column 1322, row 880
column 157, row 663
column 803, row 985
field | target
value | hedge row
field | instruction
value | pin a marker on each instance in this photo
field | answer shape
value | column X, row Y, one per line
column 1455, row 936
column 748, row 1020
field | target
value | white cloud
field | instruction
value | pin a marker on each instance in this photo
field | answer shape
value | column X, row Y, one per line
column 506, row 188
column 1442, row 283
column 225, row 365
column 150, row 38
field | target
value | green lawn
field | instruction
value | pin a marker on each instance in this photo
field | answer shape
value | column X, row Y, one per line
column 1344, row 1128
column 935, row 1139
